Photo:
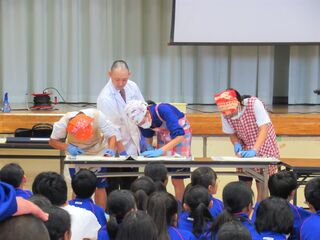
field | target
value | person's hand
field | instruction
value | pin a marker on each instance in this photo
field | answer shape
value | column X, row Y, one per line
column 248, row 153
column 26, row 207
column 150, row 147
column 237, row 147
column 74, row 150
column 109, row 153
column 123, row 153
column 153, row 153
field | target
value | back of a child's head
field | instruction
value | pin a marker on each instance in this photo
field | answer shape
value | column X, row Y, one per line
column 157, row 171
column 51, row 185
column 12, row 174
column 312, row 193
column 274, row 215
column 119, row 203
column 142, row 187
column 137, row 225
column 40, row 200
column 282, row 184
column 84, row 183
column 203, row 176
column 233, row 230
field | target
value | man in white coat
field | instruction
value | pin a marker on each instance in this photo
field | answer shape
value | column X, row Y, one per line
column 111, row 101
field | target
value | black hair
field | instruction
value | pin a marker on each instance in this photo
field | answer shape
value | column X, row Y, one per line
column 23, row 227
column 119, row 202
column 312, row 193
column 274, row 215
column 40, row 200
column 137, row 225
column 158, row 172
column 162, row 207
column 282, row 184
column 59, row 222
column 236, row 197
column 203, row 176
column 198, row 200
column 84, row 183
column 12, row 174
column 142, row 187
column 119, row 64
column 240, row 97
column 51, row 185
column 233, row 230
column 150, row 102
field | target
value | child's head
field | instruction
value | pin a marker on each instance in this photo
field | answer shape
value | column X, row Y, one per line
column 274, row 215
column 51, row 185
column 206, row 177
column 119, row 202
column 283, row 184
column 312, row 194
column 137, row 225
column 237, row 197
column 84, row 183
column 12, row 174
column 142, row 189
column 157, row 171
column 233, row 230
column 163, row 208
column 40, row 200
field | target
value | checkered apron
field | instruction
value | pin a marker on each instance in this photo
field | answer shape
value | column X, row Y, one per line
column 246, row 129
column 163, row 137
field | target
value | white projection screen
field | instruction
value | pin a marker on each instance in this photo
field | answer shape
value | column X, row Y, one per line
column 245, row 22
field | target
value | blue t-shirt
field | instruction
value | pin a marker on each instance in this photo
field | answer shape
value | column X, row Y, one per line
column 272, row 236
column 103, row 233
column 170, row 114
column 88, row 204
column 244, row 219
column 179, row 234
column 310, row 228
column 26, row 194
column 216, row 208
column 8, row 202
column 299, row 214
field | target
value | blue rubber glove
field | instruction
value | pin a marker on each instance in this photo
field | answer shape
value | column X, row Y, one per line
column 248, row 153
column 74, row 150
column 153, row 153
column 109, row 152
column 123, row 153
column 237, row 147
column 150, row 147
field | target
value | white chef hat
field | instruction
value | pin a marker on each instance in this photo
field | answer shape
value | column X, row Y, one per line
column 136, row 110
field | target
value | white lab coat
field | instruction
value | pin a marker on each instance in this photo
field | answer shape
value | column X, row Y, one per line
column 112, row 105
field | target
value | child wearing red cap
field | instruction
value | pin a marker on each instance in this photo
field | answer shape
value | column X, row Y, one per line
column 251, row 132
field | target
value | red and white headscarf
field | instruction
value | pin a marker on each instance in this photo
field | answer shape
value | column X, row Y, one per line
column 227, row 102
column 136, row 110
column 81, row 127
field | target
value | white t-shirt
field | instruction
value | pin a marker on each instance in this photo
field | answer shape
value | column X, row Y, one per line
column 262, row 116
column 84, row 224
column 105, row 126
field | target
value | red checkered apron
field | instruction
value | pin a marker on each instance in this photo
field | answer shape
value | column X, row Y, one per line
column 163, row 137
column 246, row 129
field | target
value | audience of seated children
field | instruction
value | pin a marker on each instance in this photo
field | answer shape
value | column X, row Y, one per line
column 310, row 228
column 283, row 185
column 119, row 203
column 84, row 185
column 52, row 185
column 196, row 218
column 233, row 230
column 206, row 177
column 13, row 174
column 158, row 172
column 237, row 200
column 274, row 219
column 142, row 188
column 137, row 225
column 163, row 208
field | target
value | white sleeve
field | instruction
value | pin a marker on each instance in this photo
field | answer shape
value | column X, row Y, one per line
column 60, row 129
column 91, row 227
column 108, row 128
column 226, row 128
column 261, row 114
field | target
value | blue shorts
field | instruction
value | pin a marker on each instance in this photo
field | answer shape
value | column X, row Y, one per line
column 101, row 182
